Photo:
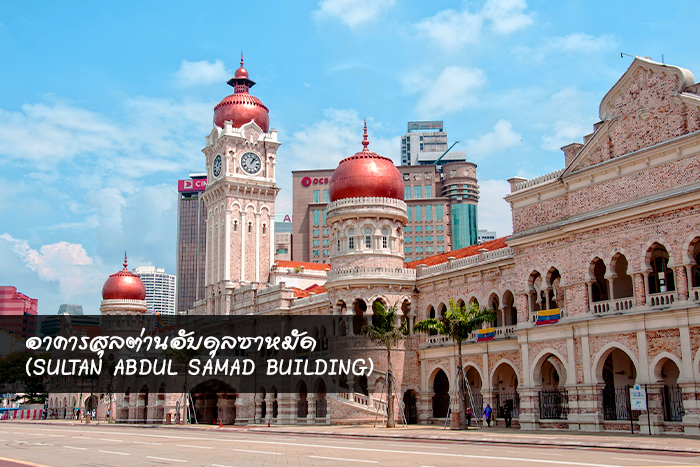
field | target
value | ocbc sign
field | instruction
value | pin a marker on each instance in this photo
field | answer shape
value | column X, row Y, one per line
column 307, row 181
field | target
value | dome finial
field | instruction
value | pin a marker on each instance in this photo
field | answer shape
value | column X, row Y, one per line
column 241, row 56
column 125, row 260
column 365, row 142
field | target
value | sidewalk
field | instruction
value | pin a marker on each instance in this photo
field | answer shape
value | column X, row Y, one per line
column 668, row 443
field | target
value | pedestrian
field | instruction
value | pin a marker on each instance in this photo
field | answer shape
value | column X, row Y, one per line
column 469, row 416
column 487, row 414
column 508, row 413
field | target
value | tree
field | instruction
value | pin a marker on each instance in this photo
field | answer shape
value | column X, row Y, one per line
column 387, row 334
column 14, row 373
column 458, row 323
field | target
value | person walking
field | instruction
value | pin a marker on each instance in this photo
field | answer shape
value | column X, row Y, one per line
column 508, row 413
column 469, row 416
column 487, row 414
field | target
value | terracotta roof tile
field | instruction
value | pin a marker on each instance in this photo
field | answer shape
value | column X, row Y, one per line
column 461, row 253
column 316, row 289
column 300, row 293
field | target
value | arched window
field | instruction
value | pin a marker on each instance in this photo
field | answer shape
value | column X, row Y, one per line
column 351, row 239
column 338, row 250
column 660, row 277
column 250, row 227
column 368, row 237
column 264, row 229
column 385, row 238
column 235, row 226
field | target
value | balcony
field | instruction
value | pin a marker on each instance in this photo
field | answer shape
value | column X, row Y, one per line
column 501, row 332
column 695, row 294
column 616, row 305
column 662, row 300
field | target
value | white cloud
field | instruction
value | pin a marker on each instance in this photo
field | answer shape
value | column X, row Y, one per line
column 452, row 30
column 493, row 211
column 204, row 72
column 452, row 90
column 576, row 43
column 501, row 138
column 568, row 117
column 352, row 12
column 323, row 144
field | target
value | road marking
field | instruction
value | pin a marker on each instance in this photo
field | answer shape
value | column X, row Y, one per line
column 114, row 452
column 341, row 459
column 258, row 452
column 228, row 439
column 190, row 446
column 74, row 447
column 43, row 444
column 81, row 437
column 57, row 436
column 109, row 439
column 165, row 459
column 143, row 442
column 650, row 460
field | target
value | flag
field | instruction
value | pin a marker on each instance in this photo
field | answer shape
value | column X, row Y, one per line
column 484, row 335
column 548, row 316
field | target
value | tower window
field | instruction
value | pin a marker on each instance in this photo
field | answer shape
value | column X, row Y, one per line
column 385, row 238
column 368, row 237
column 250, row 227
column 235, row 226
column 351, row 239
column 264, row 229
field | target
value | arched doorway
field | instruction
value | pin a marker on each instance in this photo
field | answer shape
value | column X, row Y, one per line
column 667, row 372
column 263, row 403
column 505, row 386
column 475, row 383
column 358, row 320
column 550, row 375
column 274, row 401
column 618, row 372
column 142, row 405
column 441, row 397
column 214, row 401
column 320, row 395
column 302, row 400
column 410, row 406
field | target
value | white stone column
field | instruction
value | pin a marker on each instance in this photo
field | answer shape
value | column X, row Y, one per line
column 207, row 263
column 244, row 232
column 227, row 246
column 271, row 229
column 257, row 247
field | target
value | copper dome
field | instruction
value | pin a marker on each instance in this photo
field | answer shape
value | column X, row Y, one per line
column 240, row 107
column 124, row 285
column 366, row 174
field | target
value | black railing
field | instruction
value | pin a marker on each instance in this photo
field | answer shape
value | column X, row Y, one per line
column 673, row 404
column 513, row 398
column 321, row 408
column 616, row 404
column 554, row 404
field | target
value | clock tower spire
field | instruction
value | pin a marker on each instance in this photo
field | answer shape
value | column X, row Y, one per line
column 241, row 155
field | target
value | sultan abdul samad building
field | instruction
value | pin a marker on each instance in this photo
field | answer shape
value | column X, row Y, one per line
column 597, row 289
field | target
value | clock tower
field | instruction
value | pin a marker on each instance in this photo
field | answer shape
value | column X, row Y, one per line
column 240, row 153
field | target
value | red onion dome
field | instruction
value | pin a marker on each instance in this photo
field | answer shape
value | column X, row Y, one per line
column 366, row 174
column 124, row 285
column 240, row 107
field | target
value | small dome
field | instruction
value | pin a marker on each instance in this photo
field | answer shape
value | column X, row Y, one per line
column 124, row 285
column 364, row 175
column 240, row 107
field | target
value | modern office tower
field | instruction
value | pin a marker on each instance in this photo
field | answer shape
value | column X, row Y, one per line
column 160, row 289
column 484, row 235
column 18, row 311
column 425, row 143
column 191, row 241
column 68, row 309
column 283, row 236
column 441, row 202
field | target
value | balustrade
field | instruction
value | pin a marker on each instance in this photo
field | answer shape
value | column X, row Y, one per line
column 612, row 306
column 661, row 300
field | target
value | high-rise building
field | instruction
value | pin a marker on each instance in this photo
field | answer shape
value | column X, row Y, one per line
column 283, row 237
column 18, row 311
column 441, row 203
column 160, row 289
column 68, row 309
column 191, row 241
column 484, row 235
column 425, row 142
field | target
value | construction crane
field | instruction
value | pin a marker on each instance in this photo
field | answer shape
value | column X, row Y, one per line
column 437, row 162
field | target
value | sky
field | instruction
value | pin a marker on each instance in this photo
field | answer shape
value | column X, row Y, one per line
column 105, row 105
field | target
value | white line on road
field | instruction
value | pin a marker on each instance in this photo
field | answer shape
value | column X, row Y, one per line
column 351, row 448
column 650, row 460
column 114, row 452
column 57, row 436
column 81, row 437
column 190, row 446
column 74, row 447
column 109, row 439
column 143, row 442
column 165, row 459
column 341, row 459
column 258, row 452
column 43, row 444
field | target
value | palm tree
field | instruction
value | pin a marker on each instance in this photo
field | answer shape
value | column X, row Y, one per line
column 387, row 334
column 458, row 323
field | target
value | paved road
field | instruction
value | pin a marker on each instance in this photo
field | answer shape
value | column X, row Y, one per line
column 117, row 446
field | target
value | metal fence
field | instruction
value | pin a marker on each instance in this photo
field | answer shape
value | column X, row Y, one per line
column 673, row 404
column 511, row 397
column 616, row 404
column 554, row 404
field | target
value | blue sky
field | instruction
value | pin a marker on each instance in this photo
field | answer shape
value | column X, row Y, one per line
column 103, row 106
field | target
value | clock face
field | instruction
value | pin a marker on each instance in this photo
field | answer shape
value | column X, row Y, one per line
column 250, row 162
column 216, row 168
